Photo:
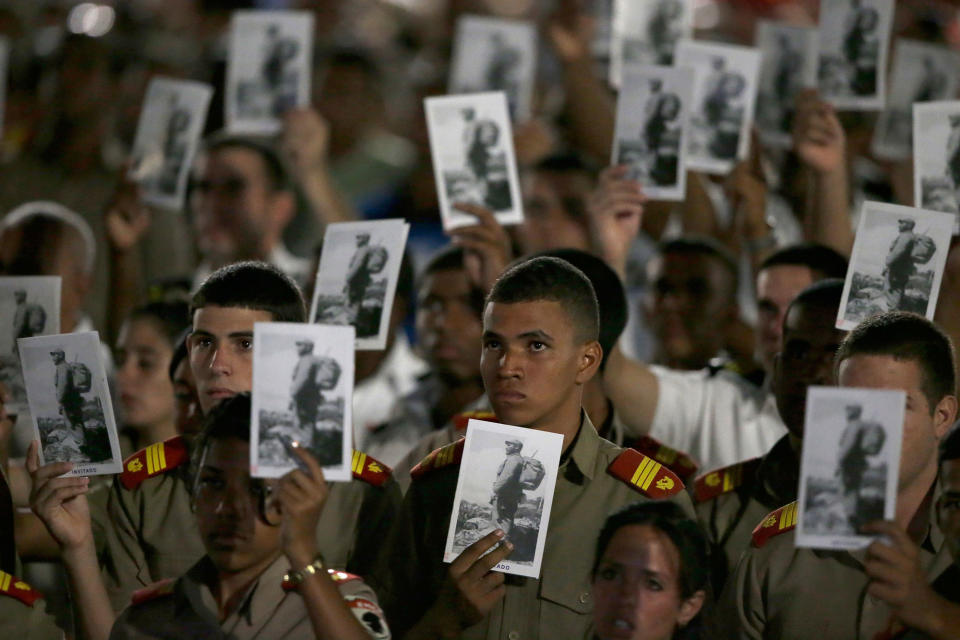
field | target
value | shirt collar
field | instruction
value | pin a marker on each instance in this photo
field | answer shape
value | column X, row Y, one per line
column 585, row 447
column 261, row 599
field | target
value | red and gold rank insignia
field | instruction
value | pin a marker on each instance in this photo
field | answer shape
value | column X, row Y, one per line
column 724, row 480
column 677, row 461
column 776, row 522
column 158, row 458
column 439, row 458
column 369, row 469
column 14, row 587
column 645, row 475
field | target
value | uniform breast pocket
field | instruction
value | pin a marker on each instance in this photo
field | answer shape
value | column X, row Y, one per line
column 566, row 608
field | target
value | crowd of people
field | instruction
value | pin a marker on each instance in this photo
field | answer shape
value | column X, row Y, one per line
column 678, row 334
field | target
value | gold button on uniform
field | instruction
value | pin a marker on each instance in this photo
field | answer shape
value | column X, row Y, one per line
column 514, row 635
column 585, row 597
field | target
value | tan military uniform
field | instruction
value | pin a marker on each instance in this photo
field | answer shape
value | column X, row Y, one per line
column 187, row 609
column 560, row 603
column 779, row 591
column 731, row 501
column 150, row 531
column 22, row 612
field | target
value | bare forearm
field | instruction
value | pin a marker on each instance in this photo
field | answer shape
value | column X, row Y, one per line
column 634, row 391
column 34, row 542
column 90, row 596
column 940, row 619
column 827, row 218
column 329, row 614
column 327, row 202
column 590, row 108
column 126, row 289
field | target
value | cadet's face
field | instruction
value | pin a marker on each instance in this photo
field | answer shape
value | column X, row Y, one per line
column 221, row 351
column 448, row 327
column 548, row 223
column 688, row 304
column 809, row 342
column 531, row 363
column 143, row 358
column 921, row 431
column 948, row 508
column 637, row 587
column 776, row 288
column 188, row 416
column 228, row 510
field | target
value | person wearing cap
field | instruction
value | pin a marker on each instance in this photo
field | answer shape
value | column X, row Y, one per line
column 68, row 395
column 311, row 376
column 507, row 492
column 898, row 266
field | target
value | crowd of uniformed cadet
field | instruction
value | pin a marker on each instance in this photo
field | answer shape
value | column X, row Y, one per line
column 685, row 334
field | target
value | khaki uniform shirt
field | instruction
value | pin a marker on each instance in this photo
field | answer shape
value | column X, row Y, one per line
column 786, row 593
column 151, row 534
column 560, row 603
column 23, row 621
column 730, row 518
column 267, row 612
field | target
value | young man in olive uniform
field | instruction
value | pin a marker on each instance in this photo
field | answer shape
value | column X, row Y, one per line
column 539, row 350
column 152, row 535
column 780, row 591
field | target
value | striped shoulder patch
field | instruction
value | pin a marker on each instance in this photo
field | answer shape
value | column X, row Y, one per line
column 14, row 587
column 152, row 592
column 677, row 461
column 158, row 458
column 645, row 475
column 369, row 469
column 461, row 420
column 439, row 458
column 724, row 480
column 776, row 522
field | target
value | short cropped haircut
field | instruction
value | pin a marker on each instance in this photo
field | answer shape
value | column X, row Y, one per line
column 911, row 337
column 823, row 294
column 228, row 419
column 278, row 177
column 252, row 285
column 611, row 299
column 554, row 280
column 682, row 530
column 823, row 261
column 950, row 446
column 171, row 317
column 704, row 246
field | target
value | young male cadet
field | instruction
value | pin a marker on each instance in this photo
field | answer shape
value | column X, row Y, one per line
column 731, row 501
column 261, row 575
column 780, row 591
column 152, row 535
column 539, row 350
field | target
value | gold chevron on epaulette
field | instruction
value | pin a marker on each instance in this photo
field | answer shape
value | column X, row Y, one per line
column 369, row 469
column 774, row 523
column 439, row 458
column 724, row 480
column 153, row 460
column 645, row 475
column 12, row 586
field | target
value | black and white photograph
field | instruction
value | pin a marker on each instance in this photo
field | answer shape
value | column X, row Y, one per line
column 854, row 45
column 507, row 477
column 653, row 111
column 302, row 396
column 493, row 54
column 647, row 33
column 602, row 29
column 849, row 465
column 788, row 65
column 70, row 402
column 357, row 278
column 936, row 163
column 899, row 254
column 268, row 69
column 921, row 73
column 29, row 306
column 724, row 95
column 169, row 130
column 471, row 144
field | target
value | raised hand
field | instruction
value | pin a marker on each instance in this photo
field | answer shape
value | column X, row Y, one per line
column 615, row 211
column 487, row 247
column 818, row 136
column 127, row 218
column 305, row 139
column 61, row 503
column 472, row 589
column 301, row 496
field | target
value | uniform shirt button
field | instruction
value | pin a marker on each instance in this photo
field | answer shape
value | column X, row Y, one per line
column 514, row 635
column 585, row 597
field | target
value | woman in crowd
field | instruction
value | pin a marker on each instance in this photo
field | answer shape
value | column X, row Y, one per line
column 650, row 575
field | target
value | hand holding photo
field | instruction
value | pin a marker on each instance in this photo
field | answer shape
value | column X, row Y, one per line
column 171, row 123
column 302, row 392
column 850, row 464
column 471, row 144
column 269, row 68
column 70, row 402
column 357, row 278
column 651, row 131
column 788, row 64
column 30, row 306
column 647, row 33
column 897, row 263
column 724, row 95
column 936, row 162
column 492, row 54
column 507, row 477
column 854, row 41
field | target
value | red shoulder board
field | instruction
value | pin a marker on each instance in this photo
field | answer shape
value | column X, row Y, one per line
column 439, row 458
column 335, row 575
column 724, row 480
column 14, row 587
column 645, row 475
column 369, row 469
column 461, row 420
column 677, row 461
column 776, row 522
column 158, row 458
column 152, row 592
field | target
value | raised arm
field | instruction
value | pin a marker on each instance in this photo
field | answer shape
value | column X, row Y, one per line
column 126, row 220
